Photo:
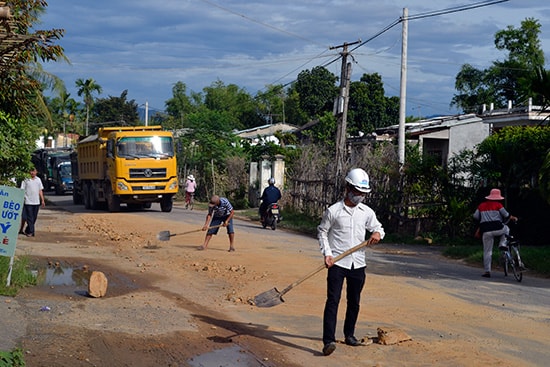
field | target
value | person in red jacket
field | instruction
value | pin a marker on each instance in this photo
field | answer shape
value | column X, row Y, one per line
column 492, row 218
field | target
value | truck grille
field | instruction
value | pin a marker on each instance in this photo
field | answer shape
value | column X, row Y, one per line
column 148, row 173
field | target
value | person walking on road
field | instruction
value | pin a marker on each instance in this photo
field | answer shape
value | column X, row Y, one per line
column 220, row 213
column 190, row 187
column 492, row 218
column 34, row 198
column 343, row 226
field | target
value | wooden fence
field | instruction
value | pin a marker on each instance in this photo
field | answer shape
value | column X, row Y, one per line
column 398, row 213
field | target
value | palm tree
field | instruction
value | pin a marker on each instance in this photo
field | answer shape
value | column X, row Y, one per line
column 86, row 88
column 65, row 108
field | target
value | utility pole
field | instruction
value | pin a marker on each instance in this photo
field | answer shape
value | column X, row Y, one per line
column 146, row 113
column 403, row 91
column 341, row 109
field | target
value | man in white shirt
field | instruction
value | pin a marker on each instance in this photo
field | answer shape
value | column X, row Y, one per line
column 344, row 225
column 34, row 198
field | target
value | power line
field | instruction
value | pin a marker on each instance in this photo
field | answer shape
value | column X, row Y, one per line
column 434, row 13
column 455, row 9
column 261, row 23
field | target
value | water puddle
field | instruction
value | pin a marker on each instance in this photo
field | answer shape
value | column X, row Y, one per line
column 227, row 357
column 61, row 275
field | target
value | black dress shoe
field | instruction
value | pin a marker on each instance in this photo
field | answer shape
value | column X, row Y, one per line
column 351, row 340
column 329, row 348
column 486, row 275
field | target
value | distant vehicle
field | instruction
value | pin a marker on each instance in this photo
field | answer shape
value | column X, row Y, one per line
column 135, row 165
column 46, row 161
column 62, row 178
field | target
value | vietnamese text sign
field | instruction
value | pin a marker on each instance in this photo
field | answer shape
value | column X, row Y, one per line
column 11, row 209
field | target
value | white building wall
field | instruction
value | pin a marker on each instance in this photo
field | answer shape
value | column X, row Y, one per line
column 467, row 136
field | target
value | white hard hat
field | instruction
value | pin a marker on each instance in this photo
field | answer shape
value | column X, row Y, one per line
column 359, row 179
column 271, row 181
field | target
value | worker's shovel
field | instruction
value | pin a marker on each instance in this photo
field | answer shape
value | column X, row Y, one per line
column 165, row 235
column 273, row 297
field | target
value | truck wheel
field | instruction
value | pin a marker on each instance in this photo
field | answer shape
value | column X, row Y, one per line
column 113, row 201
column 166, row 204
column 93, row 199
column 147, row 205
column 86, row 195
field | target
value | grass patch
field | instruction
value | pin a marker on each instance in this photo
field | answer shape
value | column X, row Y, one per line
column 20, row 276
column 291, row 220
column 299, row 222
column 14, row 358
column 536, row 259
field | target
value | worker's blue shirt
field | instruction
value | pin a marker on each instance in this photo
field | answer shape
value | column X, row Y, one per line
column 271, row 195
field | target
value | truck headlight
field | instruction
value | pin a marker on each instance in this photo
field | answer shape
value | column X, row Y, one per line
column 121, row 186
column 173, row 185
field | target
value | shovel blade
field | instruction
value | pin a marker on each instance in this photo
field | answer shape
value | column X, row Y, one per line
column 164, row 235
column 269, row 298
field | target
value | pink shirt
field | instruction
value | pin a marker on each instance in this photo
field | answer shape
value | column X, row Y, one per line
column 190, row 186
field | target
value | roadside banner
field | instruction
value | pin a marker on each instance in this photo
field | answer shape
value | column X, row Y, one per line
column 11, row 208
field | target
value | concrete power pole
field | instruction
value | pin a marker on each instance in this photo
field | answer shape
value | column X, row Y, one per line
column 403, row 91
column 341, row 110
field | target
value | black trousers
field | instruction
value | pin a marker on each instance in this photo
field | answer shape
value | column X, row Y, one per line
column 355, row 280
column 30, row 214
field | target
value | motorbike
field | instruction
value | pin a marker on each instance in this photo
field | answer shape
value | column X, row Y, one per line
column 272, row 216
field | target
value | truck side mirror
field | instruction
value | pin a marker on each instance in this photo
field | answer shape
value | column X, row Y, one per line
column 110, row 148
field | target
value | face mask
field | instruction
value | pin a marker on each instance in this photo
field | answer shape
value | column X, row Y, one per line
column 355, row 199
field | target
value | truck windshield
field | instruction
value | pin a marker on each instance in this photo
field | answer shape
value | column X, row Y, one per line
column 144, row 147
column 65, row 170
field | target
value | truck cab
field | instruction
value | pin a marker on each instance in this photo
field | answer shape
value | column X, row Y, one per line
column 62, row 178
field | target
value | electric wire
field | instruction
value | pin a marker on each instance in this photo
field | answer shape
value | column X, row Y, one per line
column 261, row 23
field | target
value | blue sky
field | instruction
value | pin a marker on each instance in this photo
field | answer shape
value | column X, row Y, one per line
column 146, row 47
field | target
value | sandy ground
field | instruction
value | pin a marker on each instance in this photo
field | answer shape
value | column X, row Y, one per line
column 168, row 304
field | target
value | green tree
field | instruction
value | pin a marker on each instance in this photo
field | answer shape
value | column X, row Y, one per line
column 293, row 112
column 21, row 51
column 179, row 106
column 323, row 132
column 239, row 105
column 513, row 156
column 115, row 111
column 316, row 90
column 22, row 107
column 508, row 80
column 368, row 107
column 86, row 88
column 64, row 110
column 271, row 104
column 473, row 89
column 17, row 145
column 206, row 147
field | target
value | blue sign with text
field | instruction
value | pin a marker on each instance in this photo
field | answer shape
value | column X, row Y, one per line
column 11, row 207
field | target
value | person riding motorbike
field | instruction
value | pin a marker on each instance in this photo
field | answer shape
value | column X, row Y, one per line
column 270, row 195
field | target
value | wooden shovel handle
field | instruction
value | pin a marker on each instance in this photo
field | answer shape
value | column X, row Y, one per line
column 194, row 230
column 321, row 267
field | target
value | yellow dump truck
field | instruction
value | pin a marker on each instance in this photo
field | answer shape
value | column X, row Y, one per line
column 135, row 165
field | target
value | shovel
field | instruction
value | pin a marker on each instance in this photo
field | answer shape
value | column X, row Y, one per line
column 165, row 235
column 273, row 297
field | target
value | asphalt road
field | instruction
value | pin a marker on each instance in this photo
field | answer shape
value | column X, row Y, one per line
column 420, row 266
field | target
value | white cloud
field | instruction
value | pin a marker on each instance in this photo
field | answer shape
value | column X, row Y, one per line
column 146, row 47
